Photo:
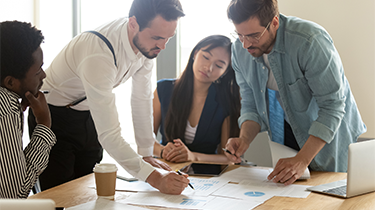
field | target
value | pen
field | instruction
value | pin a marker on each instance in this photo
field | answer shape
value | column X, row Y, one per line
column 45, row 91
column 227, row 151
column 179, row 172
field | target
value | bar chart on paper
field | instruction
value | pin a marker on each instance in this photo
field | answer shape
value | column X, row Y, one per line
column 204, row 187
column 192, row 202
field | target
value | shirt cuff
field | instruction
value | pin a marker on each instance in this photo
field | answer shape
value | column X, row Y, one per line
column 145, row 171
column 45, row 133
column 320, row 130
column 251, row 117
column 146, row 151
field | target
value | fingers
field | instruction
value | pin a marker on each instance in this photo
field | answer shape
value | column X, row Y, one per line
column 157, row 163
column 233, row 146
column 286, row 171
column 174, row 183
column 165, row 166
column 177, row 155
column 39, row 106
column 178, row 142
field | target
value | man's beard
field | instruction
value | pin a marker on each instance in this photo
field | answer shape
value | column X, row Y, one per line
column 263, row 48
column 141, row 49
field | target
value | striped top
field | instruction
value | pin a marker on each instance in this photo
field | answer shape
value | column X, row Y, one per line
column 19, row 169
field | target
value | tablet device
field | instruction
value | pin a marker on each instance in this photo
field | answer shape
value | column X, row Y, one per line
column 204, row 169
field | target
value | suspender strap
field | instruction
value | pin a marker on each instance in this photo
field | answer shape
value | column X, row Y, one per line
column 106, row 41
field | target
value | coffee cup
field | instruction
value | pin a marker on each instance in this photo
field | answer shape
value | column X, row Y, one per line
column 105, row 179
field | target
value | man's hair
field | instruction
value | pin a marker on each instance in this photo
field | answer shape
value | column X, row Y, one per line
column 146, row 10
column 242, row 10
column 19, row 40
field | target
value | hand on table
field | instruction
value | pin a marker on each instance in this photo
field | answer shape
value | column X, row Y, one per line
column 157, row 163
column 169, row 183
column 288, row 170
column 178, row 152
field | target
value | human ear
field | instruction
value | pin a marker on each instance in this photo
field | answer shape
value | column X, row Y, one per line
column 11, row 83
column 133, row 24
column 275, row 22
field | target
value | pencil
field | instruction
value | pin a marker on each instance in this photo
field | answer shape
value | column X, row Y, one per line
column 179, row 172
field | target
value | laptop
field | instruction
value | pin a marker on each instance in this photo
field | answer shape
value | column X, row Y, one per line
column 29, row 204
column 360, row 176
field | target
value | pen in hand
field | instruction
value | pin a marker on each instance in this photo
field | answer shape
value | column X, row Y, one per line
column 227, row 151
column 179, row 172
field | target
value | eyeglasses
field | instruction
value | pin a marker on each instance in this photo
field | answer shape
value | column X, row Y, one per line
column 250, row 38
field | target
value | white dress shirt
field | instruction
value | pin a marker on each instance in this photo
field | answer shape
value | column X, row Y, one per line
column 86, row 67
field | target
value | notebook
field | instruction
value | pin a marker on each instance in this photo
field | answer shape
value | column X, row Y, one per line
column 360, row 176
column 29, row 204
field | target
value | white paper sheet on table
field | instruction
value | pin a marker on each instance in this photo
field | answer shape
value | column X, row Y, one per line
column 229, row 203
column 203, row 187
column 245, row 173
column 172, row 201
column 101, row 204
column 134, row 186
column 247, row 192
column 281, row 151
column 293, row 190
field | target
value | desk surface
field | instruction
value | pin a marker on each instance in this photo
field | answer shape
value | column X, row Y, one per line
column 77, row 192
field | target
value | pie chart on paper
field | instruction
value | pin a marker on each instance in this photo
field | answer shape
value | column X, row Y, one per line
column 254, row 194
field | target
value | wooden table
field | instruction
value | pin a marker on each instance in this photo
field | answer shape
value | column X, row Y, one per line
column 77, row 192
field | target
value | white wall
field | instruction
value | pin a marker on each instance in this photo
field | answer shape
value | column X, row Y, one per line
column 20, row 10
column 352, row 27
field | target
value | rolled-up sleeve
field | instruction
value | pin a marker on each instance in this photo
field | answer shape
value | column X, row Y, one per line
column 325, row 77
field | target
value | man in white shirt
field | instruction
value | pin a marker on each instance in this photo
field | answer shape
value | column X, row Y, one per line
column 87, row 67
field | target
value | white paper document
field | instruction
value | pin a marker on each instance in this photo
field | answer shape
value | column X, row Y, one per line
column 202, row 187
column 134, row 186
column 229, row 203
column 245, row 173
column 293, row 190
column 172, row 201
column 101, row 204
column 254, row 193
column 281, row 151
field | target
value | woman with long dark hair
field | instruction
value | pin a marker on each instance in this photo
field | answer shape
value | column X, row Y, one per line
column 198, row 112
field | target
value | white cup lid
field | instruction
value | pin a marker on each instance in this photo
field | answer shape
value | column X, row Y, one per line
column 105, row 168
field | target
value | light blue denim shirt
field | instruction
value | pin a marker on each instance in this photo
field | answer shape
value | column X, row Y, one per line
column 313, row 89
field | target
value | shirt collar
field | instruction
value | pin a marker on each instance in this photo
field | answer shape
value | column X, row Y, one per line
column 279, row 44
column 12, row 95
column 14, row 98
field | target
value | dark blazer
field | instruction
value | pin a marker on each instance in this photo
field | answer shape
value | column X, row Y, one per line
column 208, row 134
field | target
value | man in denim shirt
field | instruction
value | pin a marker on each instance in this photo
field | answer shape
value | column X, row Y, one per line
column 297, row 59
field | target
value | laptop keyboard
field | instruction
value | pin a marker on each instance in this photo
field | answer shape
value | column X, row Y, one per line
column 338, row 190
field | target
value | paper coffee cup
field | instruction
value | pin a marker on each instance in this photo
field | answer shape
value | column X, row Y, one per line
column 105, row 179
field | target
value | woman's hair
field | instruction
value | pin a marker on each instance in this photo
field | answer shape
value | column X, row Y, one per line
column 19, row 40
column 182, row 96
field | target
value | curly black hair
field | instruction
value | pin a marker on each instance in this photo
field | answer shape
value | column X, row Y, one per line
column 19, row 40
